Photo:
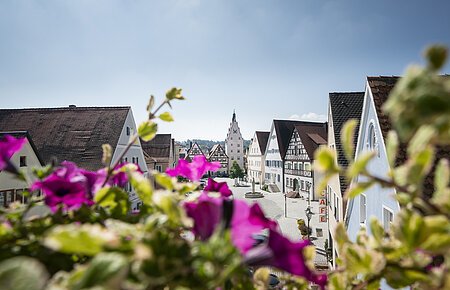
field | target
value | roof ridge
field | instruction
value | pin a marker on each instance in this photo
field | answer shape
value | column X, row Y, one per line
column 67, row 108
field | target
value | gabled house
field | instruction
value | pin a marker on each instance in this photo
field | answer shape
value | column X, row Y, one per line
column 77, row 134
column 217, row 154
column 279, row 136
column 255, row 159
column 194, row 150
column 341, row 108
column 25, row 159
column 299, row 175
column 159, row 151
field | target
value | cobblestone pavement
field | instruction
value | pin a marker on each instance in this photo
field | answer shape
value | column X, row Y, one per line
column 273, row 205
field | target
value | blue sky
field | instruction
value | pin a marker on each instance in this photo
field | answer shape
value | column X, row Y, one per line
column 266, row 59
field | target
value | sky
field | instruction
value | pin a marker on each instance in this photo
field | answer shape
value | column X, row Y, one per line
column 265, row 59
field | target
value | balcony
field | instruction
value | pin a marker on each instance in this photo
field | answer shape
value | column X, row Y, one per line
column 298, row 172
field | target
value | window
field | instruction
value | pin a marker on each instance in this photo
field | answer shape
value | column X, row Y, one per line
column 158, row 168
column 388, row 217
column 133, row 161
column 362, row 208
column 278, row 178
column 336, row 207
column 128, row 131
column 239, row 145
column 23, row 161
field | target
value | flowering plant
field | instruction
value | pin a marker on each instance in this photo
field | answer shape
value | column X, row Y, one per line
column 81, row 233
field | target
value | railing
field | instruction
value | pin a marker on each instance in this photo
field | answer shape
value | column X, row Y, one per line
column 306, row 173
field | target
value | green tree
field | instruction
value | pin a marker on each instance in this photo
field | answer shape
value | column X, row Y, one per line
column 236, row 171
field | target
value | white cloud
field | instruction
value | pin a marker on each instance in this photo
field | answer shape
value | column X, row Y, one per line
column 309, row 117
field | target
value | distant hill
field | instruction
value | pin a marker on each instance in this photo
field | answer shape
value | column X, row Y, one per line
column 205, row 145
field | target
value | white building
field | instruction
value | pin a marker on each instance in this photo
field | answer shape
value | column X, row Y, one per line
column 25, row 159
column 217, row 154
column 77, row 134
column 279, row 136
column 234, row 144
column 193, row 151
column 341, row 108
column 256, row 157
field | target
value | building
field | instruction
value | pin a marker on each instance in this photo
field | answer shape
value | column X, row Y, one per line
column 300, row 178
column 279, row 136
column 256, row 157
column 25, row 159
column 217, row 154
column 341, row 108
column 194, row 150
column 77, row 134
column 234, row 144
column 160, row 153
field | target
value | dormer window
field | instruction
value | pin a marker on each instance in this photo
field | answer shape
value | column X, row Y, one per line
column 23, row 161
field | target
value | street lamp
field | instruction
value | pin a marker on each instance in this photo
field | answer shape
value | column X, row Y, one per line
column 309, row 215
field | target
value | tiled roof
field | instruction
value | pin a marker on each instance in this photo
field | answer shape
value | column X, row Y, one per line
column 70, row 133
column 159, row 147
column 345, row 106
column 262, row 137
column 312, row 135
column 284, row 129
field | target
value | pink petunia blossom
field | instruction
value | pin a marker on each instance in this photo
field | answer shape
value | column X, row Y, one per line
column 220, row 187
column 8, row 146
column 68, row 186
column 194, row 170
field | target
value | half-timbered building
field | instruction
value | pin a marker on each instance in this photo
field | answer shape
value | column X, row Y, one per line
column 194, row 151
column 217, row 154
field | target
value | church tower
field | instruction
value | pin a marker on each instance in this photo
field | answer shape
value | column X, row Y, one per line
column 234, row 144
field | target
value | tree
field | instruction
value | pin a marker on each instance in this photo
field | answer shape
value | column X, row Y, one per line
column 236, row 171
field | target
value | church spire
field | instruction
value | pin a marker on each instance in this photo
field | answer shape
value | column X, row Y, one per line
column 234, row 116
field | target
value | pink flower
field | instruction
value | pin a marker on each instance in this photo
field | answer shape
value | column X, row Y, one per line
column 68, row 186
column 220, row 187
column 246, row 220
column 8, row 146
column 194, row 170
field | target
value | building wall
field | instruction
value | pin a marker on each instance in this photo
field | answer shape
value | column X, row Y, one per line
column 255, row 162
column 9, row 185
column 376, row 198
column 135, row 154
column 273, row 162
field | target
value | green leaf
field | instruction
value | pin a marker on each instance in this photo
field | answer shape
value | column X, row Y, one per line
column 421, row 139
column 164, row 180
column 107, row 154
column 325, row 160
column 151, row 103
column 142, row 186
column 147, row 130
column 436, row 56
column 441, row 175
column 22, row 273
column 86, row 239
column 166, row 116
column 42, row 172
column 360, row 164
column 174, row 93
column 113, row 198
column 392, row 147
column 376, row 229
column 106, row 269
column 168, row 204
column 347, row 137
column 358, row 188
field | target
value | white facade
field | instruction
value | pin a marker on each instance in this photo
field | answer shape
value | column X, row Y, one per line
column 234, row 144
column 273, row 173
column 256, row 161
column 11, row 187
column 376, row 201
column 134, row 155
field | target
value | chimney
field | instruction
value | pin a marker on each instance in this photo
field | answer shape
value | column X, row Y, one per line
column 72, row 106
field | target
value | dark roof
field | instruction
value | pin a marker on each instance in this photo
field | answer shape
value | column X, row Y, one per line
column 312, row 134
column 262, row 137
column 158, row 147
column 284, row 129
column 70, row 133
column 381, row 87
column 24, row 134
column 345, row 106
